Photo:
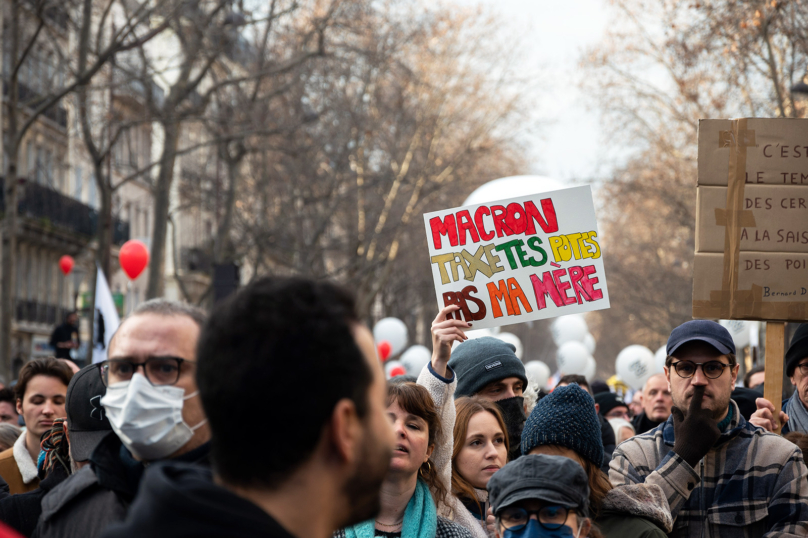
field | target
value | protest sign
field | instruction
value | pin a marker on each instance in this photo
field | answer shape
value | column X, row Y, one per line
column 751, row 257
column 521, row 259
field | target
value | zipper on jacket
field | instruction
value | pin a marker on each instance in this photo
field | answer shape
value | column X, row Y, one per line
column 701, row 500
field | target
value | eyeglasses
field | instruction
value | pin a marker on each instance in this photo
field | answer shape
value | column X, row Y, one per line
column 617, row 414
column 803, row 368
column 515, row 518
column 711, row 369
column 158, row 370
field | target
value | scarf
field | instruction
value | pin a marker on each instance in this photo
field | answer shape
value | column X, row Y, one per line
column 797, row 414
column 420, row 518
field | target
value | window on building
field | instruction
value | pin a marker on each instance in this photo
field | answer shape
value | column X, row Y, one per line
column 48, row 169
column 30, row 158
column 93, row 201
column 77, row 186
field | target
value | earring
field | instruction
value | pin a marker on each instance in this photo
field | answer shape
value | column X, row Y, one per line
column 428, row 468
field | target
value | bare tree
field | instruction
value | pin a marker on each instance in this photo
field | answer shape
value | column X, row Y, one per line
column 660, row 68
column 29, row 25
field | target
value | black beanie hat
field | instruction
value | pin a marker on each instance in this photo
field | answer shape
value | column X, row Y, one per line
column 608, row 401
column 798, row 349
column 565, row 418
column 481, row 361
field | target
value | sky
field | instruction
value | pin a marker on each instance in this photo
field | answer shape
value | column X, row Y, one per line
column 569, row 145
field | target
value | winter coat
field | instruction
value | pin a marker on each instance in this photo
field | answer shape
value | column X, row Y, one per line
column 179, row 500
column 609, row 442
column 442, row 391
column 647, row 507
column 18, row 469
column 21, row 512
column 99, row 494
column 751, row 483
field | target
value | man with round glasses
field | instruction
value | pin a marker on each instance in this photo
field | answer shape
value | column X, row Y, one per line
column 540, row 495
column 153, row 406
column 722, row 475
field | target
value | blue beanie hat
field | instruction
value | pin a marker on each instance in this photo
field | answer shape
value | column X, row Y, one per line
column 565, row 418
column 481, row 361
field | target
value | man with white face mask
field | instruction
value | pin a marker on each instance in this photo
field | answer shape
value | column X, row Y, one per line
column 153, row 405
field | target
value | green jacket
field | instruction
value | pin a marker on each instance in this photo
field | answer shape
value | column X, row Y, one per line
column 632, row 512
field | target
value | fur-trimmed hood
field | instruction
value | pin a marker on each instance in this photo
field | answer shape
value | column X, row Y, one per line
column 640, row 500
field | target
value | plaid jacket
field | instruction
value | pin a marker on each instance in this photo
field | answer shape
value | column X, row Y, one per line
column 752, row 482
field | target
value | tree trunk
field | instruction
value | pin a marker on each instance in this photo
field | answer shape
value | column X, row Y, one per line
column 10, row 217
column 162, row 204
column 104, row 222
column 221, row 248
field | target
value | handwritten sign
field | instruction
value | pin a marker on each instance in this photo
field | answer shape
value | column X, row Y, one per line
column 751, row 259
column 517, row 260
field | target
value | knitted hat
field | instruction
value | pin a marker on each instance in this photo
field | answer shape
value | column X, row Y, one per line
column 481, row 361
column 565, row 418
column 608, row 401
column 798, row 349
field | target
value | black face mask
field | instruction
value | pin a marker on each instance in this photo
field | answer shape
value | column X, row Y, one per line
column 513, row 413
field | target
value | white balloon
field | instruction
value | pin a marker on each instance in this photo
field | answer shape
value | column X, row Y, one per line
column 659, row 359
column 738, row 330
column 572, row 358
column 591, row 368
column 510, row 338
column 634, row 365
column 394, row 331
column 415, row 358
column 570, row 328
column 390, row 365
column 589, row 342
column 512, row 187
column 538, row 373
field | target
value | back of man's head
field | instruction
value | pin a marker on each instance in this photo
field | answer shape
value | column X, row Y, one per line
column 579, row 380
column 260, row 356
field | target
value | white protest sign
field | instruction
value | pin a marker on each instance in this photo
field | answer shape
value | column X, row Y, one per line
column 521, row 259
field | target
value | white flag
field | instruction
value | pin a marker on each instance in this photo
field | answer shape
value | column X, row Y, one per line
column 106, row 318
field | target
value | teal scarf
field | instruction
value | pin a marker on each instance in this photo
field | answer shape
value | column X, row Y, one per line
column 420, row 518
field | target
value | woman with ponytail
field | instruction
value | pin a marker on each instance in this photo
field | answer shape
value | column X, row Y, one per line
column 412, row 488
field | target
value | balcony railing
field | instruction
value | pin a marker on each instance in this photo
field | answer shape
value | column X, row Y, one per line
column 51, row 208
column 32, row 99
column 34, row 312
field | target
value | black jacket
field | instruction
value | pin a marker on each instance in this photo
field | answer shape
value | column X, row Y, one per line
column 609, row 442
column 99, row 494
column 21, row 511
column 181, row 501
column 643, row 424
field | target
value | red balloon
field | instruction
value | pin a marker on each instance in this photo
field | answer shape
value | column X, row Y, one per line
column 134, row 257
column 398, row 370
column 384, row 348
column 66, row 264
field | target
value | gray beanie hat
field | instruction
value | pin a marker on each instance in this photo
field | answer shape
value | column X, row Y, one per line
column 481, row 361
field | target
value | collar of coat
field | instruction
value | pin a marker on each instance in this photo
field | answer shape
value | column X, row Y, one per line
column 25, row 464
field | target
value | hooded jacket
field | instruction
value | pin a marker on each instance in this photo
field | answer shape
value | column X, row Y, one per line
column 751, row 482
column 178, row 500
column 651, row 517
column 100, row 493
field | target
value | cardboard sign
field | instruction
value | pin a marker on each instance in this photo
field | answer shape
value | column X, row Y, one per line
column 752, row 220
column 517, row 260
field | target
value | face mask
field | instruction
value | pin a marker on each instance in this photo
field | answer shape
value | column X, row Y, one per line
column 534, row 530
column 148, row 419
column 513, row 413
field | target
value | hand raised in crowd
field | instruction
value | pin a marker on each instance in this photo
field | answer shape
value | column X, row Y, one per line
column 446, row 332
column 764, row 416
column 695, row 433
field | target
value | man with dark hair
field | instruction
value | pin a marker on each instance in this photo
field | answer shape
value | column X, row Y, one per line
column 722, row 476
column 489, row 368
column 754, row 377
column 40, row 392
column 606, row 430
column 152, row 404
column 8, row 407
column 66, row 336
column 307, row 464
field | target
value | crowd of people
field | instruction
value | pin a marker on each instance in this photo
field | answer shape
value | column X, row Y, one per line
column 272, row 417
